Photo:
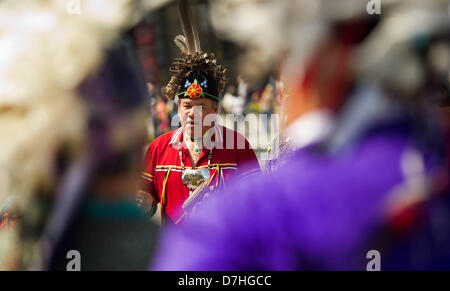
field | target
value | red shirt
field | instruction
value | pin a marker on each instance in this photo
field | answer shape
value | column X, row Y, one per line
column 162, row 166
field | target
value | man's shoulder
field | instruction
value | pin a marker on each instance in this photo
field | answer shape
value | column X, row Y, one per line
column 165, row 139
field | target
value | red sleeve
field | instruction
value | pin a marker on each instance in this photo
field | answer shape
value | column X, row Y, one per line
column 146, row 180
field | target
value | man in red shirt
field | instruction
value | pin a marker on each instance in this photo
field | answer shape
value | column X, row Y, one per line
column 200, row 152
column 161, row 180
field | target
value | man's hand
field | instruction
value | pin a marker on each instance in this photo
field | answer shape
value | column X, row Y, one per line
column 146, row 201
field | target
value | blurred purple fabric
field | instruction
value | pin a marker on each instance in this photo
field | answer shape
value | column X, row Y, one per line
column 316, row 213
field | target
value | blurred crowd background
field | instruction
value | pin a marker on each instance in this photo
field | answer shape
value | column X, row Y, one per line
column 80, row 100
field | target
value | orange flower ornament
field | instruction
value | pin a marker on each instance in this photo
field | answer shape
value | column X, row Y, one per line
column 195, row 90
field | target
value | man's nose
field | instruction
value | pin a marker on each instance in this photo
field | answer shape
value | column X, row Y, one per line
column 190, row 112
column 196, row 111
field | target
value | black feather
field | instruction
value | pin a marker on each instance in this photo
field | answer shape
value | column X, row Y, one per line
column 189, row 28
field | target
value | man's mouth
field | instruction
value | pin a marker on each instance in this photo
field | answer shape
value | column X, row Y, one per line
column 192, row 124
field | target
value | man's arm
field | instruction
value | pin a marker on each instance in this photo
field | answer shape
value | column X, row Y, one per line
column 147, row 196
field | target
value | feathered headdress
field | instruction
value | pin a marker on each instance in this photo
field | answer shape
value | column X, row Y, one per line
column 191, row 73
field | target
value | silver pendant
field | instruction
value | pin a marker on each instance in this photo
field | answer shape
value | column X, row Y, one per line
column 193, row 178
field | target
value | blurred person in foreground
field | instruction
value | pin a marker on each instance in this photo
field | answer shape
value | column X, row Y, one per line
column 104, row 223
column 182, row 166
column 57, row 149
column 374, row 175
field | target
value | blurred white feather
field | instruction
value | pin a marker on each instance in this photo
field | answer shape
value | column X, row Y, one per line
column 46, row 54
column 271, row 29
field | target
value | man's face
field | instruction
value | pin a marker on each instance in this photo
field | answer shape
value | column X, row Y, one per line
column 196, row 115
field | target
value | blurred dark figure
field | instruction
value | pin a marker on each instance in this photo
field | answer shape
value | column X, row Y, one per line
column 96, row 213
column 375, row 180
